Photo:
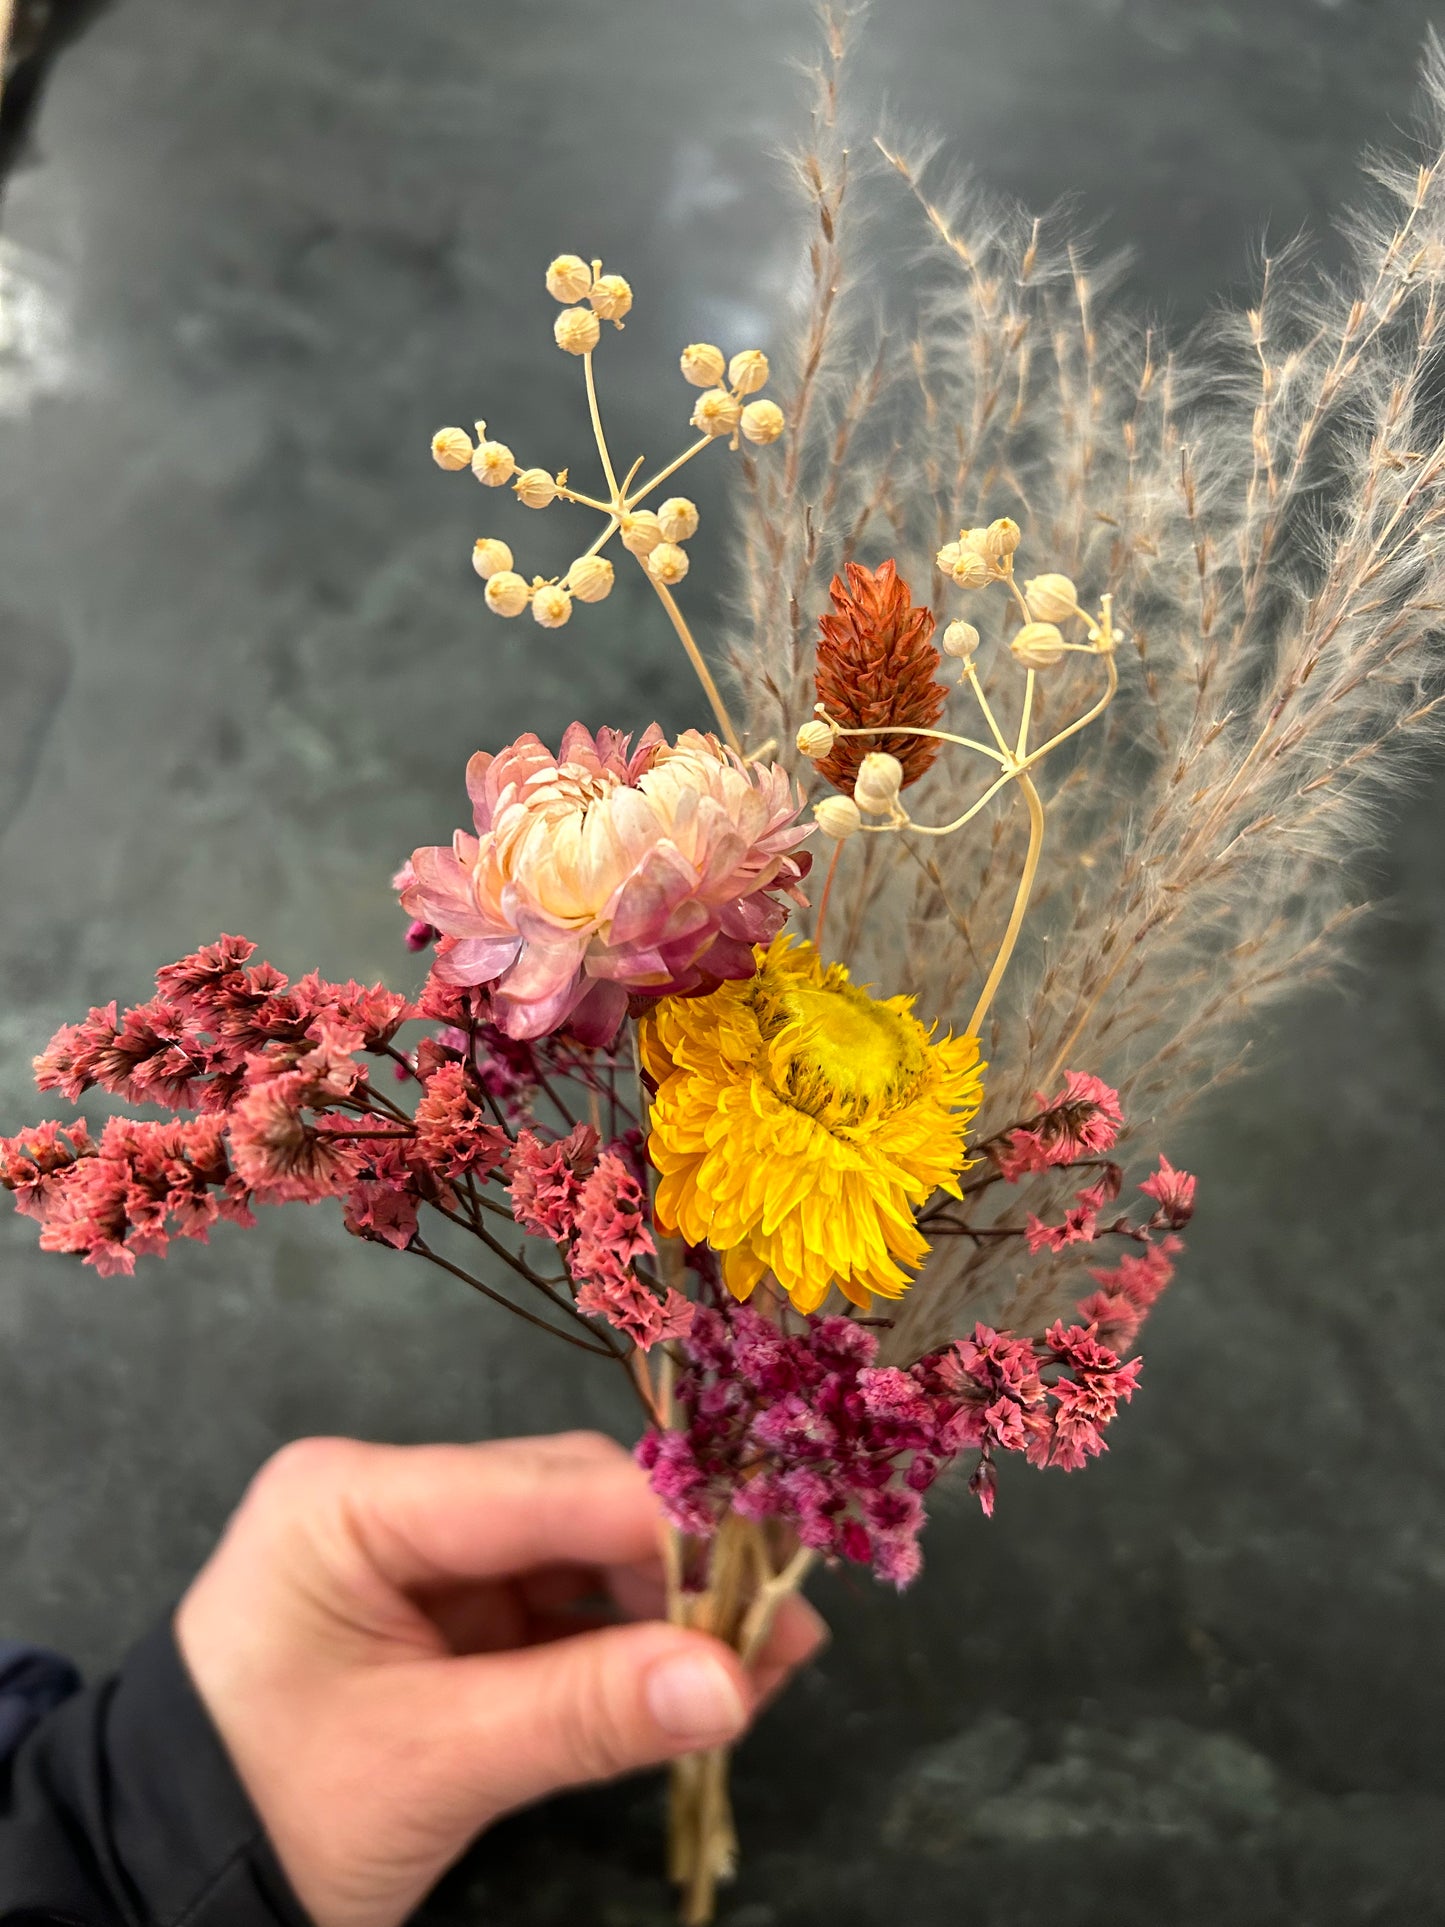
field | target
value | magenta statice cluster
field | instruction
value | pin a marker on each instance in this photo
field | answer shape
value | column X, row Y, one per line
column 805, row 1427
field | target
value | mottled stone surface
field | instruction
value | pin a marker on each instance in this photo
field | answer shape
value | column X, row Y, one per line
column 255, row 252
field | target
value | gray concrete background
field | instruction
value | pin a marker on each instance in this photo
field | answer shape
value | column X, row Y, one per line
column 254, row 254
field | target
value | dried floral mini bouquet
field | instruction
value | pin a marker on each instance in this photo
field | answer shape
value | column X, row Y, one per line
column 783, row 1046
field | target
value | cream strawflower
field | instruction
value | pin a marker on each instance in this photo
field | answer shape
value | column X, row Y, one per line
column 603, row 872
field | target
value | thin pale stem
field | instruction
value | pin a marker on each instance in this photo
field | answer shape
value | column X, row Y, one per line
column 600, row 438
column 694, row 656
column 1021, row 904
column 938, row 735
column 823, row 900
column 662, row 475
column 1021, row 749
column 971, row 677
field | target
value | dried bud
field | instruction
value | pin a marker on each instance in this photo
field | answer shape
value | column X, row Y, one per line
column 611, row 297
column 568, row 278
column 702, row 364
column 1000, row 538
column 576, row 331
column 748, row 372
column 493, row 463
column 762, row 421
column 949, row 557
column 815, row 739
column 490, row 557
column 1051, row 598
column 879, row 779
column 641, row 532
column 451, row 448
column 590, row 578
column 960, row 639
column 1038, row 645
column 717, row 412
column 507, row 593
column 837, row 816
column 971, row 571
column 536, row 488
column 973, row 541
column 551, row 605
column 678, row 519
column 667, row 563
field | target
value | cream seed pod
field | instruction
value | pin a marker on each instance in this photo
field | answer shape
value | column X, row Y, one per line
column 961, row 639
column 949, row 557
column 490, row 557
column 551, row 605
column 451, row 448
column 507, row 593
column 611, row 297
column 762, row 422
column 667, row 563
column 1000, row 538
column 1051, row 598
column 569, row 278
column 590, row 578
column 838, row 817
column 717, row 413
column 1038, row 645
column 576, row 331
column 971, row 571
column 876, row 786
column 748, row 371
column 493, row 463
column 641, row 532
column 702, row 364
column 536, row 488
column 816, row 739
column 678, row 519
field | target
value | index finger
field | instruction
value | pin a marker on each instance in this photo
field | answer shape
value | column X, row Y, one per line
column 424, row 1515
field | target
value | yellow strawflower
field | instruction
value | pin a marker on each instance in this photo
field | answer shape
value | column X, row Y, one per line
column 799, row 1123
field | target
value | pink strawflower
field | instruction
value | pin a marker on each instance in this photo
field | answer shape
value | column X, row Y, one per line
column 1172, row 1191
column 454, row 1135
column 604, row 871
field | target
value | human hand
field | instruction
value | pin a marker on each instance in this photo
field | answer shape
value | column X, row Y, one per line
column 398, row 1644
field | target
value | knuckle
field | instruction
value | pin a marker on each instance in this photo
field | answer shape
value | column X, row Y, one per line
column 303, row 1466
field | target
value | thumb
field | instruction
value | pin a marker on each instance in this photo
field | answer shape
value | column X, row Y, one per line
column 591, row 1707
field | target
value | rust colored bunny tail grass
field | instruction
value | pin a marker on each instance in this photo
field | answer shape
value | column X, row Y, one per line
column 877, row 665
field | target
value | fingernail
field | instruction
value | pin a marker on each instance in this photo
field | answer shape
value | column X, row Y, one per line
column 693, row 1697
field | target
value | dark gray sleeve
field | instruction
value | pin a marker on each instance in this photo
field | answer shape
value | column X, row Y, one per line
column 121, row 1806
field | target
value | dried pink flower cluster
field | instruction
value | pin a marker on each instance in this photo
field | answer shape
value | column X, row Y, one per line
column 273, row 1069
column 591, row 1203
column 805, row 1428
column 1082, row 1121
column 606, row 871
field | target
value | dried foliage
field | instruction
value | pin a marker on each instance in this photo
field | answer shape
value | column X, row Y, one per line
column 1265, row 505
